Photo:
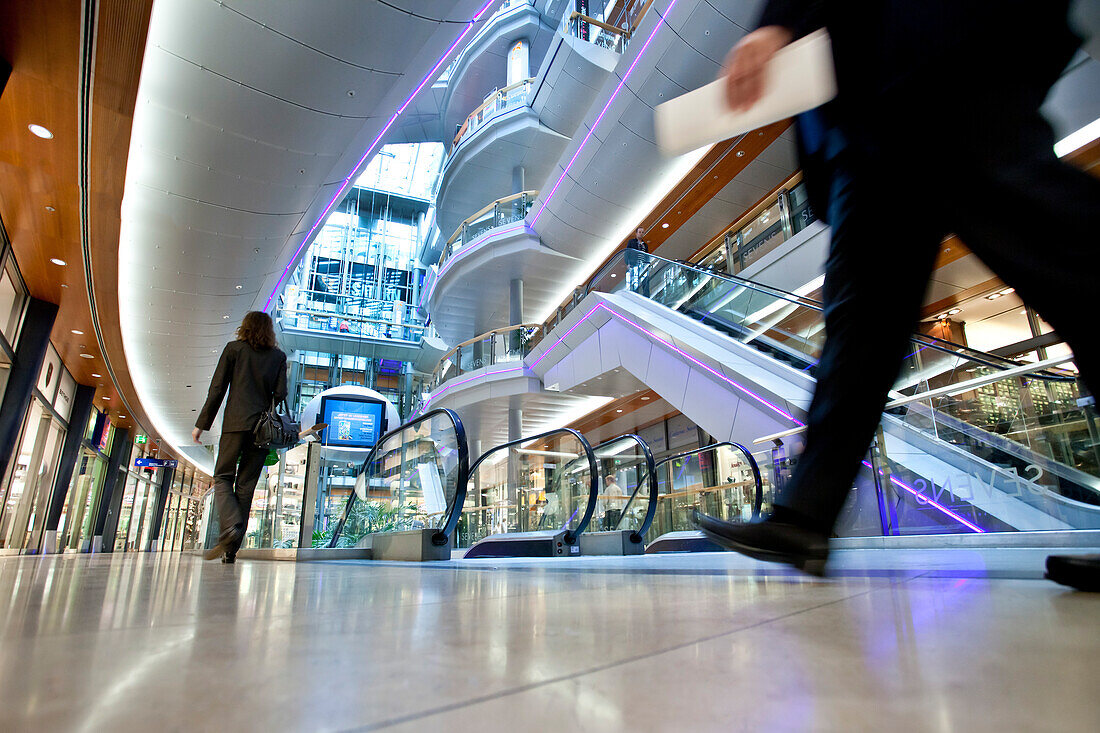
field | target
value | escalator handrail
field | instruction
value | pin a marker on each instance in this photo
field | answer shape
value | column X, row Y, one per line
column 441, row 536
column 651, row 471
column 948, row 347
column 758, row 496
column 593, row 473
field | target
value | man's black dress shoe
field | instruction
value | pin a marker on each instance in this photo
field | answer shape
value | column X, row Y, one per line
column 769, row 540
column 1077, row 571
column 222, row 548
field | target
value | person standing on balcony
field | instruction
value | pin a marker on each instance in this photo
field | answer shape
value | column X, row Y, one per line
column 937, row 113
column 637, row 262
column 253, row 370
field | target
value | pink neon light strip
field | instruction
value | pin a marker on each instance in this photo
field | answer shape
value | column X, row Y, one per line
column 927, row 500
column 595, row 124
column 370, row 149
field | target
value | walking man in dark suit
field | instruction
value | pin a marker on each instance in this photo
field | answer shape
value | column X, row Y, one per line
column 935, row 129
column 253, row 370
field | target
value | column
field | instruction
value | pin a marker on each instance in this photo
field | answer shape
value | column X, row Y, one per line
column 519, row 179
column 110, row 503
column 70, row 452
column 515, row 432
column 515, row 312
column 167, row 474
column 22, row 376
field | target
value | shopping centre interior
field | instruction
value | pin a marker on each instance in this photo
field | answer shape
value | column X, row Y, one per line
column 433, row 201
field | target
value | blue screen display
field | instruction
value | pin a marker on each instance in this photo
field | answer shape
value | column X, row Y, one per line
column 352, row 423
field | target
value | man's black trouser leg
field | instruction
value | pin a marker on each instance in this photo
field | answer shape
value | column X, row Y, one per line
column 875, row 280
column 236, row 472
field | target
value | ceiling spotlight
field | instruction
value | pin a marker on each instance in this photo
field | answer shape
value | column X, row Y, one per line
column 992, row 296
column 1006, row 291
column 40, row 131
column 953, row 311
column 96, row 375
column 665, row 225
column 614, row 275
column 226, row 316
column 106, row 397
column 50, row 208
column 57, row 261
column 644, row 399
column 78, row 332
column 618, row 410
column 239, row 287
column 121, row 417
column 87, row 356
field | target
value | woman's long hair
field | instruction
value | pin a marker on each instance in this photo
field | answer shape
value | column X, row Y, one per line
column 257, row 330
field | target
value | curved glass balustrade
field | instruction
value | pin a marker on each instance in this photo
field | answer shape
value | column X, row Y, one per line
column 628, row 489
column 500, row 346
column 496, row 103
column 413, row 478
column 722, row 480
column 503, row 211
column 543, row 482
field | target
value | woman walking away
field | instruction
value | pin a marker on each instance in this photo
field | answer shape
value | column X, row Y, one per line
column 253, row 369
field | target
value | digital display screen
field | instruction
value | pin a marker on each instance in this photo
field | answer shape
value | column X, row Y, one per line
column 352, row 422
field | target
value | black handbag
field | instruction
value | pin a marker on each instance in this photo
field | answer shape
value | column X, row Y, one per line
column 276, row 431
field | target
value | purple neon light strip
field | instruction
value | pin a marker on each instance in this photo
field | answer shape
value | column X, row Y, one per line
column 607, row 106
column 894, row 480
column 370, row 149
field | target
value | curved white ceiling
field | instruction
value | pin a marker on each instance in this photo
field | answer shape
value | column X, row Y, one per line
column 252, row 117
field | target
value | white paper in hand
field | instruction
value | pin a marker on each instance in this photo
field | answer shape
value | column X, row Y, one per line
column 800, row 76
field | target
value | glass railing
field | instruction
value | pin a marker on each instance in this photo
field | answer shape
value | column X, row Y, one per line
column 627, row 498
column 596, row 32
column 501, row 346
column 496, row 102
column 413, row 478
column 542, row 482
column 507, row 210
column 354, row 317
column 723, row 480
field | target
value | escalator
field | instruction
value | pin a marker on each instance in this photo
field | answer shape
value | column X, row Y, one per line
column 998, row 445
column 418, row 498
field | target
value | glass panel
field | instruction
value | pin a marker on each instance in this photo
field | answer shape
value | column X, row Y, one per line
column 623, row 494
column 12, row 297
column 410, row 482
column 31, row 480
column 78, row 516
column 717, row 480
column 541, row 484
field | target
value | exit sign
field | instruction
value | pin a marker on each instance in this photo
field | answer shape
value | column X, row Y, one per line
column 141, row 439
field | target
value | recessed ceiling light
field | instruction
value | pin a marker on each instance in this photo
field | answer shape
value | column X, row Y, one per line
column 953, row 311
column 665, row 225
column 618, row 410
column 58, row 261
column 87, row 356
column 614, row 275
column 96, row 375
column 121, row 417
column 239, row 287
column 992, row 296
column 106, row 397
column 1006, row 291
column 644, row 399
column 50, row 208
column 78, row 332
column 40, row 131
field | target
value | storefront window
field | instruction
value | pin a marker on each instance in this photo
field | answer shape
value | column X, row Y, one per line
column 82, row 502
column 13, row 297
column 23, row 511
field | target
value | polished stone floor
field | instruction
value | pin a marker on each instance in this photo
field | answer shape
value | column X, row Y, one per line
column 899, row 641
